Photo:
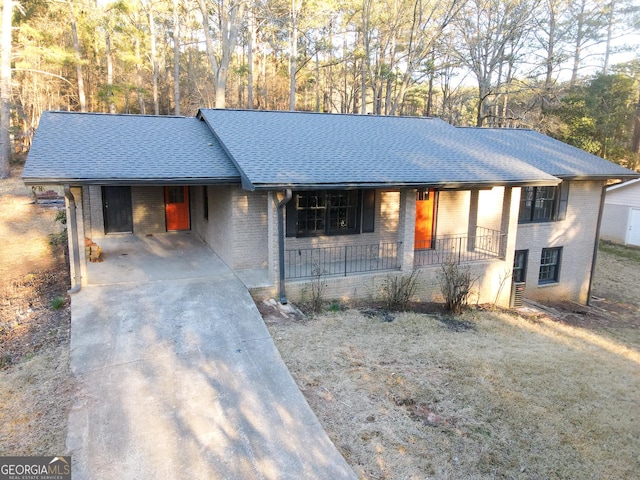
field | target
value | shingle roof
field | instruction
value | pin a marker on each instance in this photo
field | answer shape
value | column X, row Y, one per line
column 275, row 149
column 102, row 148
column 549, row 155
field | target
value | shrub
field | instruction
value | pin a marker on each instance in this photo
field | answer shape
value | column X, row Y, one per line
column 456, row 282
column 317, row 288
column 397, row 291
column 57, row 303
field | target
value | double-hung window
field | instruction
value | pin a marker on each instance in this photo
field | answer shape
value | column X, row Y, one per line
column 550, row 265
column 543, row 204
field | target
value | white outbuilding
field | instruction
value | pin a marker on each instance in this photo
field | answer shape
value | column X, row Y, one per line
column 621, row 216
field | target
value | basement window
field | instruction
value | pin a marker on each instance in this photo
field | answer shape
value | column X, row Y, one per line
column 550, row 265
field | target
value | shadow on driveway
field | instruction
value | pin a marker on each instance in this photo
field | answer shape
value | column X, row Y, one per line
column 179, row 378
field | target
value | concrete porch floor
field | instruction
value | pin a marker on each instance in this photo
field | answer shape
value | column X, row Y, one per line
column 162, row 256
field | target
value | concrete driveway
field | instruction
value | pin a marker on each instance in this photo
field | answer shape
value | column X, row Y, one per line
column 178, row 376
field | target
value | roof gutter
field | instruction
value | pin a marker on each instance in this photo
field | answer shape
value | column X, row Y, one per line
column 73, row 225
column 131, row 181
column 287, row 197
column 382, row 185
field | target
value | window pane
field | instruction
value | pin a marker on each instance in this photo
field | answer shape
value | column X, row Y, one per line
column 343, row 210
column 544, row 203
column 176, row 194
column 526, row 200
column 311, row 208
column 549, row 265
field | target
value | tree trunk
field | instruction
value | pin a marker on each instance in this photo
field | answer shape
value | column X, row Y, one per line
column 78, row 58
column 635, row 141
column 252, row 41
column 294, row 56
column 154, row 60
column 139, row 88
column 110, row 94
column 176, row 58
column 577, row 53
column 5, row 90
column 610, row 23
column 209, row 44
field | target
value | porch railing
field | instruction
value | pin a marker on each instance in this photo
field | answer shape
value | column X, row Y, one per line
column 341, row 260
column 486, row 244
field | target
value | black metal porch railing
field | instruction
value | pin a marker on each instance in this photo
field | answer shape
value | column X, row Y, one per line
column 486, row 244
column 341, row 260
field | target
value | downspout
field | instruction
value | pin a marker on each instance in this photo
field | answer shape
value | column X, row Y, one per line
column 287, row 196
column 73, row 225
column 595, row 244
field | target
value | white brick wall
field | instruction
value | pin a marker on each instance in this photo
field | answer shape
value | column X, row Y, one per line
column 237, row 227
column 217, row 231
column 576, row 236
column 250, row 229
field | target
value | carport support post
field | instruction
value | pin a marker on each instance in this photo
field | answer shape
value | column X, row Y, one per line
column 287, row 196
column 73, row 239
column 594, row 258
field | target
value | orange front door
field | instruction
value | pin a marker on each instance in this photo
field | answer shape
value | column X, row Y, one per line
column 425, row 207
column 176, row 201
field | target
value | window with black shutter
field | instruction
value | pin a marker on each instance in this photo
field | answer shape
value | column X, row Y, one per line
column 330, row 212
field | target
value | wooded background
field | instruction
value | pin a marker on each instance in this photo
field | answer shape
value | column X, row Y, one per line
column 549, row 65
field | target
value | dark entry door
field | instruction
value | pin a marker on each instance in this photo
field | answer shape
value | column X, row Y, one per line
column 116, row 204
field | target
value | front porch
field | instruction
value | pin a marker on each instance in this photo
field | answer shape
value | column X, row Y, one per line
column 343, row 260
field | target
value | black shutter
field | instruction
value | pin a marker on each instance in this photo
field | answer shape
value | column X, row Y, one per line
column 292, row 216
column 368, row 210
column 563, row 200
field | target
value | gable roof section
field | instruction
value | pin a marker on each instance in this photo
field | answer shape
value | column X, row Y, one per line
column 276, row 149
column 126, row 149
column 547, row 154
column 623, row 185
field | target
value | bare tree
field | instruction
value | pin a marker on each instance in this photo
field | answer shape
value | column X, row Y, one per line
column 488, row 31
column 176, row 57
column 78, row 58
column 5, row 90
column 229, row 15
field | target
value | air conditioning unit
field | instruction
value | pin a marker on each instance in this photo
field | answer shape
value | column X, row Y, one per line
column 517, row 294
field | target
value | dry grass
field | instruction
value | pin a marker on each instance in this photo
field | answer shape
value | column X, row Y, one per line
column 35, row 381
column 488, row 395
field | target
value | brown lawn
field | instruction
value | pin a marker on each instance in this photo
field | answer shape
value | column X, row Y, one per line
column 486, row 395
column 35, row 382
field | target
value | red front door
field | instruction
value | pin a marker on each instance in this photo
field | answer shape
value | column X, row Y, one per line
column 176, row 201
column 425, row 207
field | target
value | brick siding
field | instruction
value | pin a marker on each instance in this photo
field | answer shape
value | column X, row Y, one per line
column 576, row 235
column 147, row 203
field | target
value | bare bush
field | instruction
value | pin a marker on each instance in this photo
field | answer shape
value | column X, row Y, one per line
column 456, row 282
column 397, row 291
column 318, row 288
